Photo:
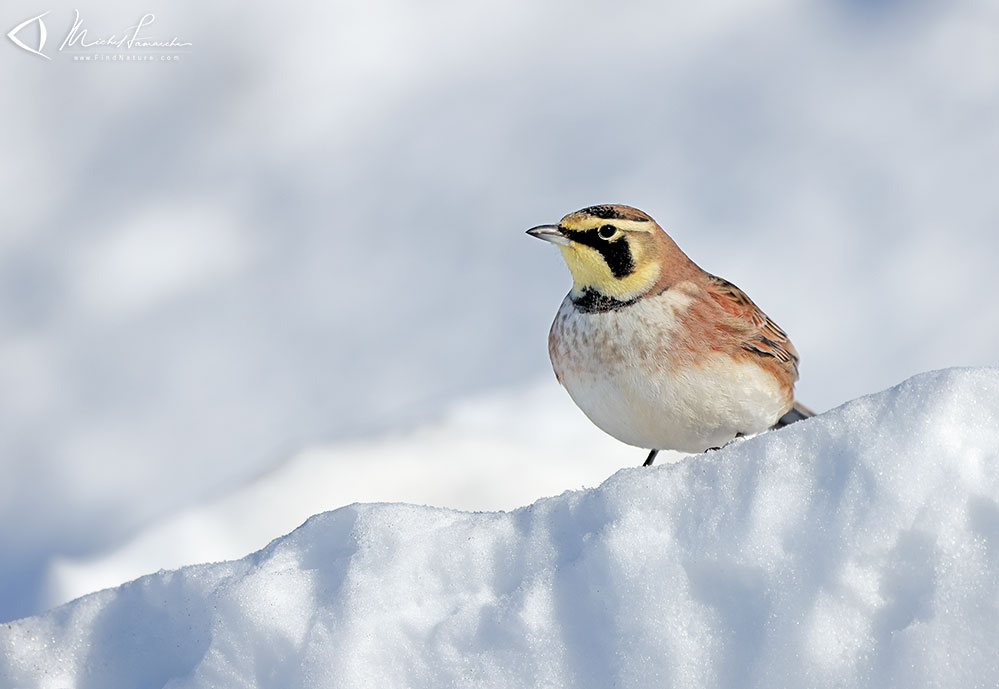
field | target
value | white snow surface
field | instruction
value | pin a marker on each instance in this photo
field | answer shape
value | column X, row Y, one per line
column 856, row 549
column 309, row 230
column 490, row 452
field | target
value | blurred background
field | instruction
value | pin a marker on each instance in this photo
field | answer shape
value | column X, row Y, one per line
column 287, row 271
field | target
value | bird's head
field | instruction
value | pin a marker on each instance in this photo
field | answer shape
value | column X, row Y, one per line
column 614, row 251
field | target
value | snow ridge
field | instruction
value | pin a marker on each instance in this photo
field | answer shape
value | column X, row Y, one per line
column 858, row 548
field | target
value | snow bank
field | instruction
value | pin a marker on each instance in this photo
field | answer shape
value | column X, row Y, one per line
column 860, row 548
column 184, row 295
column 490, row 452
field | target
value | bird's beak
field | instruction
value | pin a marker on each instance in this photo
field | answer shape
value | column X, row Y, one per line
column 549, row 233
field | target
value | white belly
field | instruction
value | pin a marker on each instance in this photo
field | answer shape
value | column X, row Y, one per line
column 617, row 368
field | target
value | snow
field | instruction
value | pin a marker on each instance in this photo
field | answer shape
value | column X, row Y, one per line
column 184, row 300
column 495, row 451
column 859, row 548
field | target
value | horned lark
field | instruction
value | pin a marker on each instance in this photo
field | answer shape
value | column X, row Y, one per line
column 657, row 352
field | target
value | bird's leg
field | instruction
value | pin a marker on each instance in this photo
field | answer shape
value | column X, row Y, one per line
column 651, row 458
column 737, row 436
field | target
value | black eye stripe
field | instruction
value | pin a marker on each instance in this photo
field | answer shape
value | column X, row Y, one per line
column 617, row 254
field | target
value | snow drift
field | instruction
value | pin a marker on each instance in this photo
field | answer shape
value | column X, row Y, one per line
column 859, row 548
column 180, row 283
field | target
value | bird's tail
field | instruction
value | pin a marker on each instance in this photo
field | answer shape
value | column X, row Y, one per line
column 797, row 412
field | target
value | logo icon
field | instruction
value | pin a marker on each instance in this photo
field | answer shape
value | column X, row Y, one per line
column 42, row 35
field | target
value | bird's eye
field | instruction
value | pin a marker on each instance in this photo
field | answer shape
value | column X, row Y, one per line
column 607, row 231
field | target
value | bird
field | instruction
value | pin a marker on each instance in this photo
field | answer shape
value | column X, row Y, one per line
column 656, row 351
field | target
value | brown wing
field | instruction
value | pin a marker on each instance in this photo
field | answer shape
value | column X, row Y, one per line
column 762, row 335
